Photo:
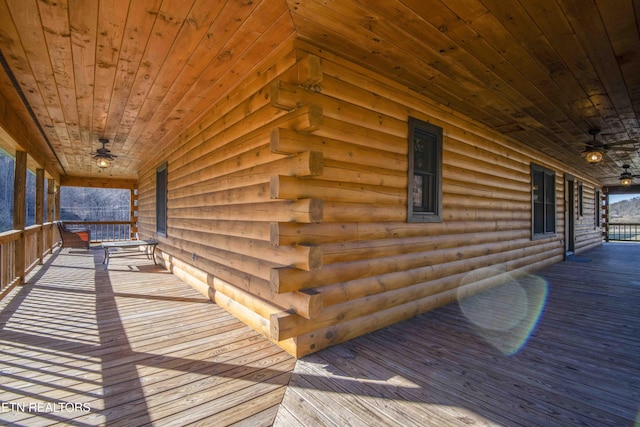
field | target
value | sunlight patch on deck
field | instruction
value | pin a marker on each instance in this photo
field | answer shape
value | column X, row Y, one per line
column 506, row 315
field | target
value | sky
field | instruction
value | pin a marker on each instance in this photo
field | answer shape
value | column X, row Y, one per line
column 613, row 198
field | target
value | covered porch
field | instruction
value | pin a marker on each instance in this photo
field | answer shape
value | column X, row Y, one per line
column 133, row 345
column 129, row 345
column 278, row 151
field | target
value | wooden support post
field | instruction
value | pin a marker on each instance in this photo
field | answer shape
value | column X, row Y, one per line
column 133, row 212
column 51, row 202
column 57, row 197
column 605, row 217
column 19, row 212
column 40, row 213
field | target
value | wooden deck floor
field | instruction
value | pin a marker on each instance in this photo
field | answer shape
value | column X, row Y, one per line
column 129, row 346
column 461, row 364
column 135, row 346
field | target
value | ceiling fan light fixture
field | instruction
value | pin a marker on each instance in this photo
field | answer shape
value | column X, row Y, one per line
column 103, row 162
column 592, row 153
column 593, row 156
column 626, row 178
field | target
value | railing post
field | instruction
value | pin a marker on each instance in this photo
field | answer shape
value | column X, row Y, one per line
column 133, row 213
column 50, row 209
column 57, row 199
column 40, row 213
column 19, row 214
column 624, row 231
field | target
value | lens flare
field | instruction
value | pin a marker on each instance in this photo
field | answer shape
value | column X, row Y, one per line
column 507, row 312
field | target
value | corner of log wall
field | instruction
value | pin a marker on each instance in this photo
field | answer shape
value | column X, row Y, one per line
column 295, row 202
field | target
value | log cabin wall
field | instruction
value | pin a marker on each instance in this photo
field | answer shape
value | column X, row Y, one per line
column 588, row 229
column 287, row 204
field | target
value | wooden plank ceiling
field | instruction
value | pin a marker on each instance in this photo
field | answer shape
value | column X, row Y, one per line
column 137, row 72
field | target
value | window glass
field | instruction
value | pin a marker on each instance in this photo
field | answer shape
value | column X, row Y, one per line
column 161, row 200
column 597, row 208
column 425, row 172
column 543, row 199
column 580, row 199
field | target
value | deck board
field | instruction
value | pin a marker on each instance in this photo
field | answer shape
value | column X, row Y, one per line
column 134, row 344
column 139, row 347
column 579, row 366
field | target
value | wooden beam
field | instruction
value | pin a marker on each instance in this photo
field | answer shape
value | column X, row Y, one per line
column 307, row 258
column 80, row 181
column 303, row 211
column 40, row 213
column 226, row 175
column 51, row 204
column 619, row 189
column 39, row 196
column 307, row 303
column 306, row 72
column 57, row 198
column 19, row 133
column 294, row 188
column 133, row 211
column 288, row 141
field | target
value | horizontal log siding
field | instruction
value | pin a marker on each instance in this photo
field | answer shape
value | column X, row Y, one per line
column 588, row 234
column 287, row 205
column 220, row 206
column 376, row 268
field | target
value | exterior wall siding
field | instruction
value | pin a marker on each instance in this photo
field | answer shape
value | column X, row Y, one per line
column 287, row 204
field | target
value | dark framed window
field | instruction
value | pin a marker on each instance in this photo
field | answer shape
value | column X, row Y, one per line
column 161, row 200
column 598, row 202
column 580, row 199
column 543, row 192
column 425, row 172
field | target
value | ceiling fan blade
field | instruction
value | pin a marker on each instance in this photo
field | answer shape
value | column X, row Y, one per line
column 614, row 144
column 628, row 149
column 130, row 159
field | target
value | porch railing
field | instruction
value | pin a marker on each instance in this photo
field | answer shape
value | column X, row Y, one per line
column 38, row 240
column 106, row 231
column 8, row 241
column 629, row 232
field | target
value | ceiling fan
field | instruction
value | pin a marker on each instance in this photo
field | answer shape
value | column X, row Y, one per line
column 103, row 155
column 626, row 178
column 594, row 150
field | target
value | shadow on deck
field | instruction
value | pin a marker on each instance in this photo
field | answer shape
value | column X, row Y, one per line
column 83, row 346
column 135, row 346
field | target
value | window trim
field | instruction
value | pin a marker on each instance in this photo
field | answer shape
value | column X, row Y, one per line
column 597, row 209
column 162, row 173
column 544, row 234
column 416, row 216
column 580, row 199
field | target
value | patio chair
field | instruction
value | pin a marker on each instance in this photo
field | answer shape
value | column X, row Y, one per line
column 74, row 238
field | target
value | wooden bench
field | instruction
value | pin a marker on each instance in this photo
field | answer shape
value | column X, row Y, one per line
column 150, row 248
